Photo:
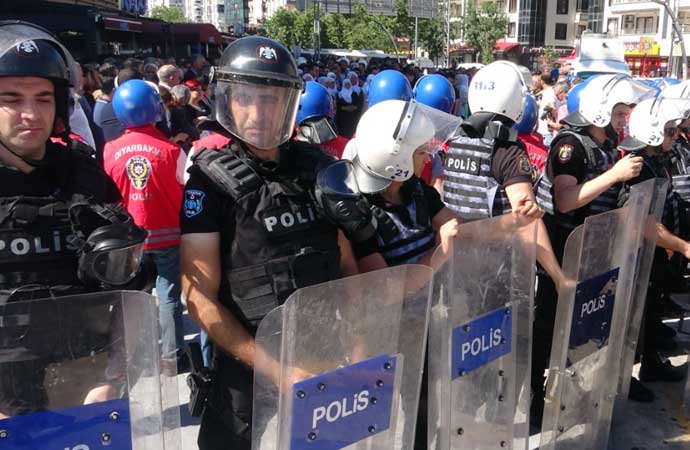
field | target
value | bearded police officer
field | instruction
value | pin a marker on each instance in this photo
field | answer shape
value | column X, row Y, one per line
column 587, row 176
column 58, row 209
column 251, row 231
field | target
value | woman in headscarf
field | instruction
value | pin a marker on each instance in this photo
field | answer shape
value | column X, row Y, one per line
column 349, row 105
column 462, row 82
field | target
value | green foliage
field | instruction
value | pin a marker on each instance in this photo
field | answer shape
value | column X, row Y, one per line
column 432, row 36
column 168, row 14
column 281, row 27
column 550, row 56
column 483, row 27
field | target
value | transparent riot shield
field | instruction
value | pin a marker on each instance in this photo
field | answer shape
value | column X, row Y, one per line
column 339, row 364
column 84, row 372
column 635, row 310
column 480, row 336
column 600, row 259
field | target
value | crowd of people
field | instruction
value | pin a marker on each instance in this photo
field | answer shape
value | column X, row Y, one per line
column 223, row 171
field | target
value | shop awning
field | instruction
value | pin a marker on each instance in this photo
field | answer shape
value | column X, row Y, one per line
column 120, row 24
column 505, row 46
column 204, row 33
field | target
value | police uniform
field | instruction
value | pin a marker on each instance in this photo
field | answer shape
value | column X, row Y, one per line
column 476, row 172
column 35, row 249
column 273, row 241
column 575, row 153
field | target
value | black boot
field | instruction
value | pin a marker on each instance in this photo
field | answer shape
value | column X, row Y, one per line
column 653, row 369
column 639, row 392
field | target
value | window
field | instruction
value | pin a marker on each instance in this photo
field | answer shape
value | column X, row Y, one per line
column 221, row 9
column 562, row 7
column 645, row 25
column 612, row 26
column 511, row 29
column 512, row 6
column 580, row 29
column 582, row 6
column 561, row 31
column 628, row 22
column 684, row 20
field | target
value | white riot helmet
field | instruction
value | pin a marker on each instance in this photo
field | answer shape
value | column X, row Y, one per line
column 499, row 88
column 602, row 94
column 388, row 134
column 680, row 90
column 649, row 120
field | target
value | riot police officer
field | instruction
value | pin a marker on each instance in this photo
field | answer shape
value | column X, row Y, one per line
column 251, row 231
column 61, row 225
column 582, row 177
column 313, row 124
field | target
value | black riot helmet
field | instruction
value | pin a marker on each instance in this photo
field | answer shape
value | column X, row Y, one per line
column 258, row 91
column 27, row 50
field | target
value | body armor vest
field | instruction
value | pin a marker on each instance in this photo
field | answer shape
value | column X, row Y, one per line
column 469, row 189
column 405, row 240
column 681, row 168
column 281, row 241
column 35, row 249
column 597, row 162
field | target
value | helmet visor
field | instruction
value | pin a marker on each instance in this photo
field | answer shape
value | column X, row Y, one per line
column 118, row 266
column 423, row 126
column 260, row 115
column 339, row 178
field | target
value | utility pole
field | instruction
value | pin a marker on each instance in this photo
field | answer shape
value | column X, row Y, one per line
column 317, row 30
column 678, row 31
column 447, row 33
column 416, row 28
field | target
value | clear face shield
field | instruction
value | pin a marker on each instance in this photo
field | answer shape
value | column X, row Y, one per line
column 655, row 121
column 262, row 115
column 602, row 94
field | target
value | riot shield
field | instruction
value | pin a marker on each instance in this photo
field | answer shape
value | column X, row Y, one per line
column 600, row 261
column 84, row 372
column 633, row 314
column 340, row 363
column 480, row 336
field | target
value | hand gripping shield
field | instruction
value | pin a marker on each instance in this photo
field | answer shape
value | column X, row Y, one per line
column 599, row 263
column 84, row 371
column 480, row 336
column 339, row 364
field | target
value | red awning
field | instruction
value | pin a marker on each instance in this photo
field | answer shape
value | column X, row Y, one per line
column 119, row 24
column 197, row 32
column 505, row 46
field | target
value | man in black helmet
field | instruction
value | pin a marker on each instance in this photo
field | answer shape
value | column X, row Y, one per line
column 54, row 197
column 251, row 231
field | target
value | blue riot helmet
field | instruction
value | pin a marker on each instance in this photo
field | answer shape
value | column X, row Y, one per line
column 389, row 85
column 315, row 102
column 529, row 116
column 137, row 103
column 436, row 91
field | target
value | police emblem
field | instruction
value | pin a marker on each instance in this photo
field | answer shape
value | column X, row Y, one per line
column 267, row 54
column 524, row 165
column 193, row 202
column 27, row 47
column 138, row 171
column 565, row 153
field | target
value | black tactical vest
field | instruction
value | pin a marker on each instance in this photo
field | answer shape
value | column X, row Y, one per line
column 469, row 189
column 597, row 161
column 281, row 240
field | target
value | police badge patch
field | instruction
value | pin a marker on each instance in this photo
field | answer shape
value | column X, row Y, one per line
column 26, row 47
column 565, row 153
column 193, row 202
column 524, row 165
column 267, row 54
column 138, row 171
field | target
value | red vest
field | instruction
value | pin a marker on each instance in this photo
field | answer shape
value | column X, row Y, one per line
column 146, row 167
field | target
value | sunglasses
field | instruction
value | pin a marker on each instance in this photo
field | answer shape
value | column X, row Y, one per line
column 670, row 132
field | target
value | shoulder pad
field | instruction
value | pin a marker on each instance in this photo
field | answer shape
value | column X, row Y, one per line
column 228, row 172
column 311, row 159
column 500, row 132
column 82, row 148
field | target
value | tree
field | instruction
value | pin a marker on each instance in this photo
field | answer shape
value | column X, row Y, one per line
column 281, row 27
column 168, row 14
column 432, row 36
column 334, row 31
column 483, row 27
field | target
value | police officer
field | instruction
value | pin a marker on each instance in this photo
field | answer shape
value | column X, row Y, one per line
column 654, row 126
column 58, row 209
column 251, row 231
column 313, row 124
column 583, row 177
column 486, row 171
column 389, row 85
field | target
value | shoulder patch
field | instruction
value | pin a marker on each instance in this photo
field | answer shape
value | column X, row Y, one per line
column 524, row 165
column 193, row 202
column 565, row 153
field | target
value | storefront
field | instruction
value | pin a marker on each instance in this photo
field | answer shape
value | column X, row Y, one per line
column 644, row 58
column 534, row 58
column 462, row 54
column 508, row 51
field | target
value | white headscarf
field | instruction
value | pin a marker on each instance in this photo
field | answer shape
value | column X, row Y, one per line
column 330, row 87
column 346, row 91
column 367, row 83
column 307, row 77
column 354, row 80
column 322, row 81
column 331, row 75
